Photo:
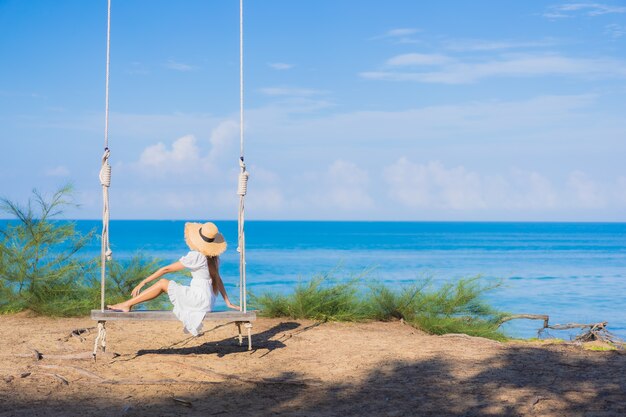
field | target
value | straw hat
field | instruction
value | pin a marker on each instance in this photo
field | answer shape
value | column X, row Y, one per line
column 204, row 238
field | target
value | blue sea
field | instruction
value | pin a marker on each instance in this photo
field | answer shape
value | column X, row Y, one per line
column 574, row 272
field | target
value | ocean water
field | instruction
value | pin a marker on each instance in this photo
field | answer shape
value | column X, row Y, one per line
column 574, row 272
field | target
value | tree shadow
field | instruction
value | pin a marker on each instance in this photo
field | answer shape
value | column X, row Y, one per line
column 512, row 381
column 265, row 340
column 517, row 381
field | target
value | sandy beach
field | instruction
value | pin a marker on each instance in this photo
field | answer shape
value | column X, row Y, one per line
column 298, row 368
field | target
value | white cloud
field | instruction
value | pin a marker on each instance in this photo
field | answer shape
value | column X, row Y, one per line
column 494, row 45
column 476, row 142
column 399, row 35
column 615, row 31
column 59, row 171
column 526, row 65
column 280, row 66
column 222, row 138
column 418, row 60
column 184, row 151
column 401, row 32
column 137, row 68
column 346, row 187
column 586, row 9
column 586, row 192
column 620, row 191
column 434, row 186
column 179, row 66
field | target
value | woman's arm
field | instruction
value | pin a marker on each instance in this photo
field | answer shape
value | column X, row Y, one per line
column 222, row 290
column 176, row 266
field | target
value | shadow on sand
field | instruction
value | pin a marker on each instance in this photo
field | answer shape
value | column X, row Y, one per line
column 265, row 340
column 520, row 381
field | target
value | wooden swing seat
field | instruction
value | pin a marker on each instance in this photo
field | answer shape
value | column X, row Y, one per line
column 236, row 317
column 166, row 315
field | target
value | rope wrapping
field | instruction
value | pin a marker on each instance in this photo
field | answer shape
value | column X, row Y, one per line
column 105, row 181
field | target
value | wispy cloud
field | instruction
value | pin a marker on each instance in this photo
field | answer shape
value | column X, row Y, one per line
column 518, row 65
column 615, row 31
column 399, row 35
column 137, row 68
column 280, row 66
column 462, row 45
column 179, row 66
column 418, row 60
column 585, row 9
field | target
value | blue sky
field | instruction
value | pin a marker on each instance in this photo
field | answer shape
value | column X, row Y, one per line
column 368, row 110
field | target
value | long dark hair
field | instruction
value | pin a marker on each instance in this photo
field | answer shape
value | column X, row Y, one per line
column 214, row 271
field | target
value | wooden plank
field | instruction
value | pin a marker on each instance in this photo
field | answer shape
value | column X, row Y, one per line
column 228, row 316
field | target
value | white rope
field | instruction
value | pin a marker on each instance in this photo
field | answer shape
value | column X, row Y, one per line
column 102, row 337
column 241, row 77
column 105, row 172
column 106, row 92
column 242, row 186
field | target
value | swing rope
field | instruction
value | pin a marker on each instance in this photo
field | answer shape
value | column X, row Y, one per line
column 242, row 187
column 105, row 173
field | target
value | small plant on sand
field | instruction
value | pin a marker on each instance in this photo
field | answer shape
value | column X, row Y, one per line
column 38, row 269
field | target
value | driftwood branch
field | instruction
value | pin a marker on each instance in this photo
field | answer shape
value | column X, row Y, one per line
column 543, row 317
column 78, row 333
column 596, row 331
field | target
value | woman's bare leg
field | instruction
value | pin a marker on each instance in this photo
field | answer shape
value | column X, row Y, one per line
column 149, row 294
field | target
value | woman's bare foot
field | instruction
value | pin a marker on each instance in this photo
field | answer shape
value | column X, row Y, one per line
column 119, row 307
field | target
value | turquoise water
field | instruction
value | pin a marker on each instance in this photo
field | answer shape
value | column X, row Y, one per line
column 574, row 272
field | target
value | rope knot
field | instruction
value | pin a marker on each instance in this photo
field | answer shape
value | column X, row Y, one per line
column 105, row 170
column 242, row 188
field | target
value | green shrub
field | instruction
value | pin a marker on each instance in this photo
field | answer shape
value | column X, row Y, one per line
column 38, row 269
column 315, row 299
column 452, row 308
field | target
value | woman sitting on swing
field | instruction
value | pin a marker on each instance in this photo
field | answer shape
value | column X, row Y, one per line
column 193, row 301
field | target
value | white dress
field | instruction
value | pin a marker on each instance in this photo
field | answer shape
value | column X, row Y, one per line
column 193, row 301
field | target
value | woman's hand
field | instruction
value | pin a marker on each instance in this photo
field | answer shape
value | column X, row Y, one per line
column 231, row 305
column 137, row 289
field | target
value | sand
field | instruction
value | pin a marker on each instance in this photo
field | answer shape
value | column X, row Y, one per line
column 298, row 368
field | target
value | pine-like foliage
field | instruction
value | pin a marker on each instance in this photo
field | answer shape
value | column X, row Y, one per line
column 38, row 269
column 454, row 307
column 320, row 298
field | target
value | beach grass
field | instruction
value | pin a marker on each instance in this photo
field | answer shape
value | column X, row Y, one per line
column 454, row 307
column 315, row 300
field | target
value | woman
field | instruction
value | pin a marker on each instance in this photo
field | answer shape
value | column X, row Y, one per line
column 193, row 301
